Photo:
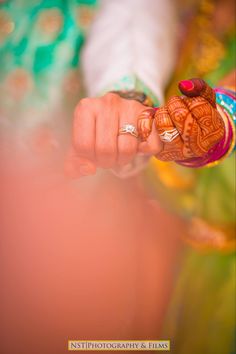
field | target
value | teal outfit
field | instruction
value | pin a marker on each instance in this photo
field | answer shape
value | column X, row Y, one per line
column 40, row 46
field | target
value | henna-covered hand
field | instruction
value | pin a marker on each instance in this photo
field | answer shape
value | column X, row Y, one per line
column 196, row 119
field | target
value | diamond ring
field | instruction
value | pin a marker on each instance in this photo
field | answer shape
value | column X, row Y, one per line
column 128, row 129
column 169, row 135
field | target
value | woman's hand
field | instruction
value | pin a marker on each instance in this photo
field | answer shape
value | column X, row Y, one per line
column 189, row 126
column 96, row 138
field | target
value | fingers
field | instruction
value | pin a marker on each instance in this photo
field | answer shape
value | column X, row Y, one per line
column 183, row 121
column 153, row 145
column 172, row 150
column 178, row 112
column 198, row 87
column 199, row 107
column 208, row 127
column 106, row 141
column 76, row 166
column 107, row 124
column 96, row 131
column 205, row 123
column 194, row 117
column 150, row 143
column 127, row 148
column 145, row 121
column 127, row 144
column 84, row 129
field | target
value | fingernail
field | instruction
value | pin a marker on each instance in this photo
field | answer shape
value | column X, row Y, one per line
column 186, row 85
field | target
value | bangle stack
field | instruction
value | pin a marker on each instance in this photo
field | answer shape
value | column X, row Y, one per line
column 226, row 106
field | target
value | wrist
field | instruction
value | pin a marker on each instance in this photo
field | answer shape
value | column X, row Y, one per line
column 130, row 86
column 135, row 95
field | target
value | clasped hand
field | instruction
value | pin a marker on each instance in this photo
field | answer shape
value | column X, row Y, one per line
column 185, row 127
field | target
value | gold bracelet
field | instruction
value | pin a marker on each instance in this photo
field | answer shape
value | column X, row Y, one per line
column 135, row 95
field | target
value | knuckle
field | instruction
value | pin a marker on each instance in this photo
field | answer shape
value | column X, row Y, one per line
column 162, row 111
column 84, row 102
column 133, row 107
column 111, row 97
column 180, row 115
column 173, row 100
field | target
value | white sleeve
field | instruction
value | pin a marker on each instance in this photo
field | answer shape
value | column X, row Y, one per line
column 131, row 42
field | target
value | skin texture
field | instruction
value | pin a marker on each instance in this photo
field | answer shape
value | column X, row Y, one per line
column 96, row 141
column 145, row 122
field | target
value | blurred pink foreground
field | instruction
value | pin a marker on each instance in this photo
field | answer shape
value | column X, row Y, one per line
column 87, row 259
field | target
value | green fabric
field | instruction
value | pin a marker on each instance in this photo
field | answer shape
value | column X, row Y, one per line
column 216, row 190
column 216, row 186
column 46, row 56
column 201, row 317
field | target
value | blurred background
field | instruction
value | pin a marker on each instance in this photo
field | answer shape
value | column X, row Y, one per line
column 148, row 257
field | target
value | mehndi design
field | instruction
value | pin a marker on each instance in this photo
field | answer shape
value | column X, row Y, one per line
column 196, row 119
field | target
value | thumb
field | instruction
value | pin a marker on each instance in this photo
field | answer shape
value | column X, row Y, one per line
column 76, row 166
column 198, row 87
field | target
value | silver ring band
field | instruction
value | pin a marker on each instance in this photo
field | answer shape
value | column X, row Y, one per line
column 128, row 129
column 169, row 135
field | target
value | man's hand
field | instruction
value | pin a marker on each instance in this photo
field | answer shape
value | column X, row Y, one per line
column 96, row 140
